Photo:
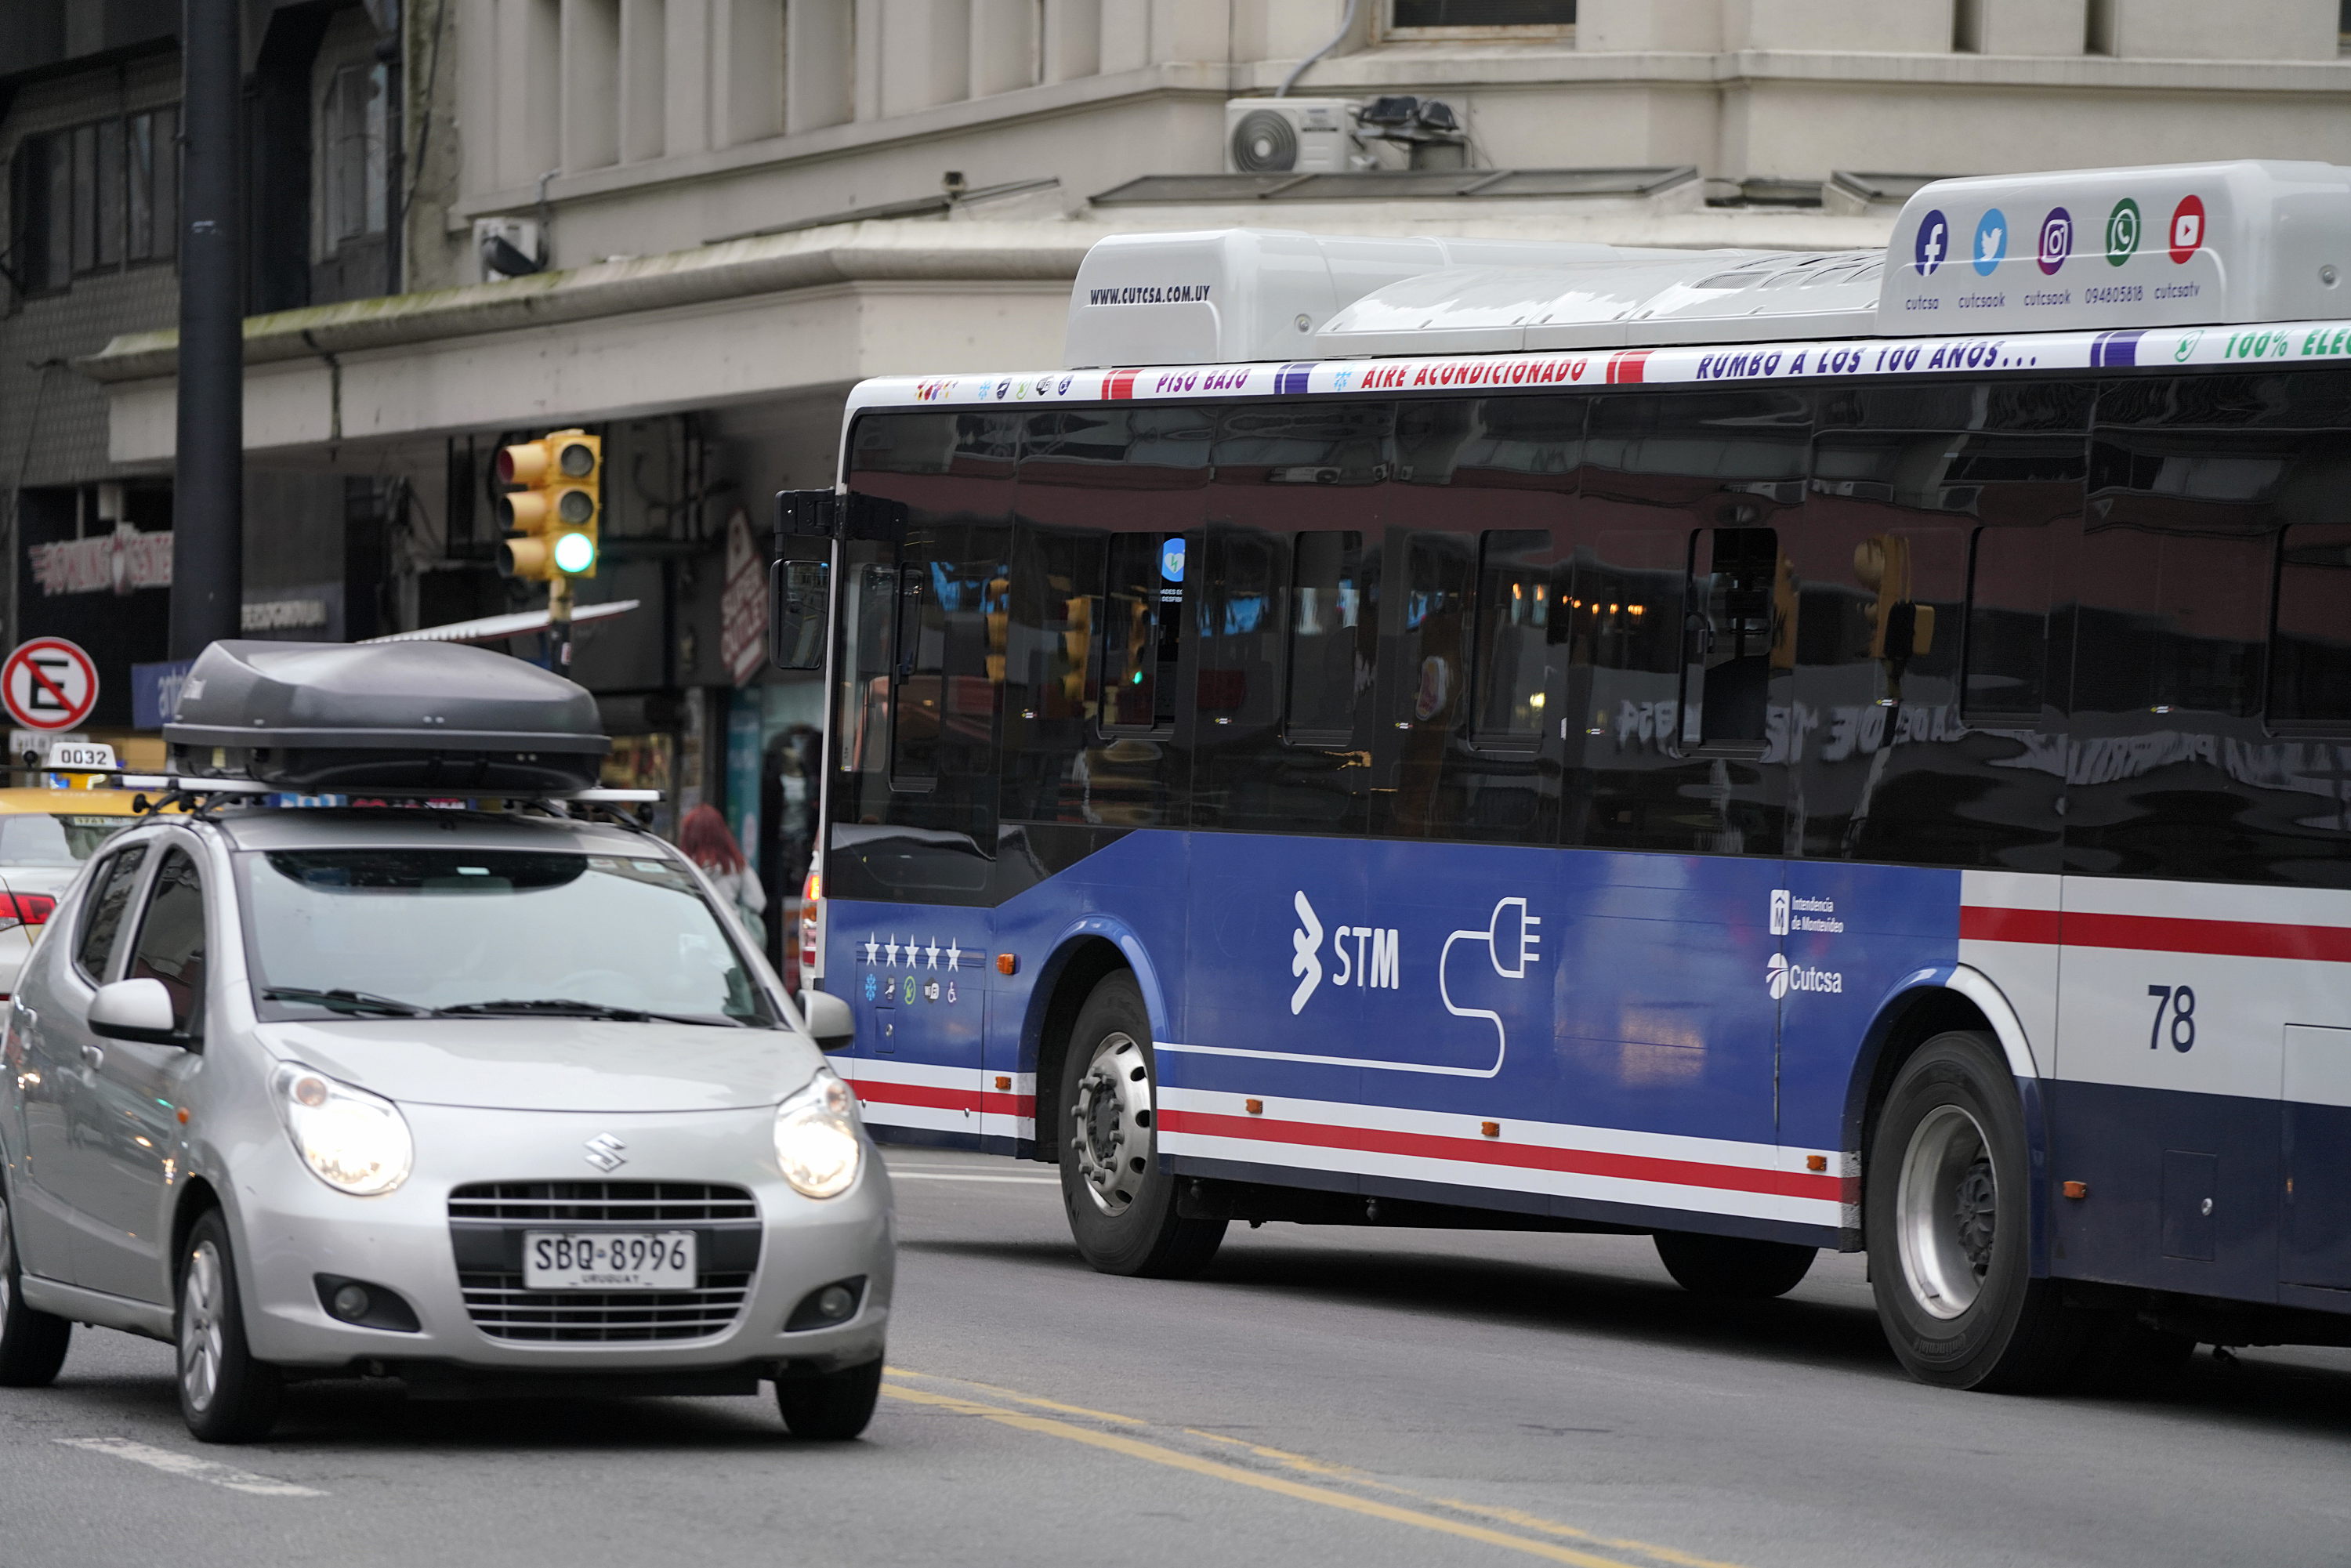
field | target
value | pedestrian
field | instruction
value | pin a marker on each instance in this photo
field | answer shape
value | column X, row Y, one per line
column 705, row 838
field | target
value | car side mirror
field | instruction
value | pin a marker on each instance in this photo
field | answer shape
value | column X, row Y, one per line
column 829, row 1021
column 138, row 1011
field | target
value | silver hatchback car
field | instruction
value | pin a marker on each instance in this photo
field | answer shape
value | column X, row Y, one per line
column 487, row 1101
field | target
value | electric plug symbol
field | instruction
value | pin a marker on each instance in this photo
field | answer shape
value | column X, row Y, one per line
column 1512, row 943
column 1520, row 939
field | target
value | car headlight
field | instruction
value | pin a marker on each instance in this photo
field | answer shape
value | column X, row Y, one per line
column 816, row 1143
column 353, row 1141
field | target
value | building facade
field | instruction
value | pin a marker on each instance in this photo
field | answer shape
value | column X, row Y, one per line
column 693, row 224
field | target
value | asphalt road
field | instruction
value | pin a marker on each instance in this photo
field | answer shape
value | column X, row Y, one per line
column 1441, row 1398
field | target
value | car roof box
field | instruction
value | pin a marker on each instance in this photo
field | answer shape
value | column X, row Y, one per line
column 319, row 716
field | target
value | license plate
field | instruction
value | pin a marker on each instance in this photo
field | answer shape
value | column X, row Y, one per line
column 608, row 1260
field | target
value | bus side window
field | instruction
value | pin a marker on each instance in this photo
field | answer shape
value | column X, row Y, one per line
column 2007, row 626
column 2310, row 641
column 1434, row 644
column 1518, row 591
column 2173, row 582
column 1143, row 630
column 1738, row 599
column 1334, row 631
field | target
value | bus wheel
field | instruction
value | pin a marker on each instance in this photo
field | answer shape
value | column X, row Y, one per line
column 1948, row 1220
column 1122, row 1205
column 1732, row 1267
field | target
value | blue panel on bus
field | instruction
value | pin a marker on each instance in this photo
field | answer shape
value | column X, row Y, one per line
column 1657, row 1025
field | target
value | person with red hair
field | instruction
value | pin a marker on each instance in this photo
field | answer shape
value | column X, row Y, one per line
column 708, row 843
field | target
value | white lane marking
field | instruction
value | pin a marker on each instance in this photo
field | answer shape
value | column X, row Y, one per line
column 191, row 1467
column 958, row 1175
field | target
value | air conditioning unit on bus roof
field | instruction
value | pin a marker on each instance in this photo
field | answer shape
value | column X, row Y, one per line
column 2110, row 249
column 1219, row 295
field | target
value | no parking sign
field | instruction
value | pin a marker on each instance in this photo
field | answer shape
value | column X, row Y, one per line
column 48, row 683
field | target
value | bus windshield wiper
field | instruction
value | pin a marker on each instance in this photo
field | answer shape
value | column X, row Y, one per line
column 344, row 999
column 565, row 1007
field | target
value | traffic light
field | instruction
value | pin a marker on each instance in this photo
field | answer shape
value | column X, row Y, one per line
column 550, row 519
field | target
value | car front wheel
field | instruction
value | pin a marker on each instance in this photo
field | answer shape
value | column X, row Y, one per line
column 225, row 1396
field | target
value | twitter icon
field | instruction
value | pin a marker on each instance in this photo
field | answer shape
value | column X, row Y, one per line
column 1991, row 241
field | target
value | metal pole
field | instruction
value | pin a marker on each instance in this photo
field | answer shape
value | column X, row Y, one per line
column 208, row 495
column 558, row 625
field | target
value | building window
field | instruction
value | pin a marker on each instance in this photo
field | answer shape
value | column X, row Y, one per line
column 2342, row 27
column 352, row 148
column 1453, row 18
column 95, row 198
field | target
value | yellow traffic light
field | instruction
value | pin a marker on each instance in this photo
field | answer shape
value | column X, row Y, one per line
column 550, row 521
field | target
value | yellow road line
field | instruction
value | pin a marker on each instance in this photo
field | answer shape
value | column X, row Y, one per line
column 1031, row 1399
column 1484, row 1510
column 1134, row 1449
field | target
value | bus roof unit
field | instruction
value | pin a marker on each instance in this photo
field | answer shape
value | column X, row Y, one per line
column 2177, row 244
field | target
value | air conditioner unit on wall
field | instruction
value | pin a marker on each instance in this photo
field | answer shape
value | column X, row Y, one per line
column 1288, row 135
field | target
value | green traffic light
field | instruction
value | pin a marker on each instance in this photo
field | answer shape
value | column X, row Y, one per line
column 574, row 553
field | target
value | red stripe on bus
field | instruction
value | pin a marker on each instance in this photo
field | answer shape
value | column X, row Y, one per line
column 1526, row 1156
column 2160, row 934
column 940, row 1097
column 1629, row 367
column 1119, row 384
column 1984, row 922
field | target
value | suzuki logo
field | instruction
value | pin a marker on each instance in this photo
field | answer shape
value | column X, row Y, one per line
column 604, row 1152
column 1306, row 941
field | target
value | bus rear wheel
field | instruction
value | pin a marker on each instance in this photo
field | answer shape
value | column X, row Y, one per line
column 1948, row 1217
column 1120, row 1203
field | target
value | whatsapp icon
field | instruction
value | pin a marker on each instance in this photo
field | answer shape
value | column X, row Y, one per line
column 2122, row 231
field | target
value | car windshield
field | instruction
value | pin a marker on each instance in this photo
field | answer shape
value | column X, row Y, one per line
column 59, row 839
column 403, row 932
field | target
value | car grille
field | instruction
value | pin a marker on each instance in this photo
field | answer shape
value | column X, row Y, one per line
column 502, row 1309
column 487, row 1220
column 542, row 1202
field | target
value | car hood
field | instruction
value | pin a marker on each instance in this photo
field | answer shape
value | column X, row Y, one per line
column 553, row 1064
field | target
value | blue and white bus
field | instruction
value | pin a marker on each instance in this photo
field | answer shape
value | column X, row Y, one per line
column 1772, row 751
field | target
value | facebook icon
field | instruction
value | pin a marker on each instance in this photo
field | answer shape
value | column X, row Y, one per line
column 1934, row 244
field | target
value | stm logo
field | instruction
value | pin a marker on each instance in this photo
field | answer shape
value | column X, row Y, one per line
column 1372, row 961
column 1783, row 976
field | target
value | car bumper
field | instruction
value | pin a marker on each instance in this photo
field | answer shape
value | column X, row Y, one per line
column 294, row 1228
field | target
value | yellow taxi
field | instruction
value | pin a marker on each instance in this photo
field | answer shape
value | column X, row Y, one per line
column 46, row 835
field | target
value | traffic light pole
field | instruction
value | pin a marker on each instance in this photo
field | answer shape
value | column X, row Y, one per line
column 558, row 625
column 208, row 481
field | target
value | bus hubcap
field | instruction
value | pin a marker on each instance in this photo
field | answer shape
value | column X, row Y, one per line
column 1111, row 1134
column 1947, row 1211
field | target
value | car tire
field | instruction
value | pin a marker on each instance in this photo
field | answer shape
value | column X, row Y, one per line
column 225, row 1396
column 32, row 1344
column 1947, row 1216
column 1120, row 1200
column 831, row 1406
column 1733, row 1268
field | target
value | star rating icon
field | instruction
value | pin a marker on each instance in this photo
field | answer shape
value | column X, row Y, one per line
column 872, row 948
column 932, row 952
column 955, row 957
column 892, row 950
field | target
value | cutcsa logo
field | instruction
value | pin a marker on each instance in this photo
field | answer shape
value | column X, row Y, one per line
column 1783, row 976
